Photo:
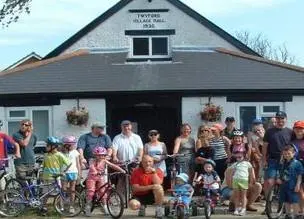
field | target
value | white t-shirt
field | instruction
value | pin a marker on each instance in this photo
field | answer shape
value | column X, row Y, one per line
column 127, row 146
column 241, row 170
column 72, row 155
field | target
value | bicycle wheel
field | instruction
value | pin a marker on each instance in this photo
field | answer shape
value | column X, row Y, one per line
column 12, row 203
column 13, row 184
column 115, row 204
column 64, row 205
column 207, row 210
column 274, row 207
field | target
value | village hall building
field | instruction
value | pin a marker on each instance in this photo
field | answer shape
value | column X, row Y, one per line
column 154, row 62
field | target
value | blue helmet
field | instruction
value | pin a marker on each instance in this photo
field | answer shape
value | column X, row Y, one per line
column 209, row 161
column 53, row 141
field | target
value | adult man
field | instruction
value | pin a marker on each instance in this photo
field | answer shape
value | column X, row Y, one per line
column 253, row 192
column 230, row 127
column 146, row 186
column 27, row 140
column 95, row 138
column 127, row 146
column 275, row 140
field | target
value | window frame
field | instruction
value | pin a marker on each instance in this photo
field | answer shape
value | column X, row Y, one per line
column 150, row 47
column 29, row 115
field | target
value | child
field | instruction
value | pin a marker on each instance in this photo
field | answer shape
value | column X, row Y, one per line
column 96, row 176
column 290, row 178
column 183, row 188
column 54, row 161
column 237, row 145
column 210, row 179
column 74, row 171
column 242, row 176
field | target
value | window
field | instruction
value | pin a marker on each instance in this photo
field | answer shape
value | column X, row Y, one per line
column 247, row 112
column 150, row 47
column 40, row 116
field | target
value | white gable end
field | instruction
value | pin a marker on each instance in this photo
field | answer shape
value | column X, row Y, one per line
column 188, row 31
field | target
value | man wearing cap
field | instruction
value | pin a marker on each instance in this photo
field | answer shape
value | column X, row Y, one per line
column 275, row 140
column 230, row 127
column 95, row 138
column 127, row 146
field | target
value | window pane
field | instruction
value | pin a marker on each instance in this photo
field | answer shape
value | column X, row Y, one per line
column 141, row 46
column 271, row 109
column 159, row 46
column 17, row 113
column 247, row 115
column 41, row 124
column 13, row 127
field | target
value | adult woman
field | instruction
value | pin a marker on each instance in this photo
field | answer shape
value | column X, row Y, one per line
column 185, row 144
column 203, row 137
column 157, row 150
column 220, row 145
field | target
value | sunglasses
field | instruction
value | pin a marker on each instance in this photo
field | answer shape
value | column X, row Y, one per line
column 205, row 130
column 25, row 124
column 153, row 134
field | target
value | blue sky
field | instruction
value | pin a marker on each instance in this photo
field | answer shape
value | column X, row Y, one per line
column 52, row 22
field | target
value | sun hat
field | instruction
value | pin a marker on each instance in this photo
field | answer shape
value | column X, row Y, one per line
column 183, row 176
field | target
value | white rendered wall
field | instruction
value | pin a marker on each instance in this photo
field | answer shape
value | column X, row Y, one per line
column 189, row 32
column 295, row 110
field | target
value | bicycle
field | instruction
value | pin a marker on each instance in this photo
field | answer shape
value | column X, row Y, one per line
column 211, row 201
column 114, row 198
column 274, row 207
column 14, row 202
column 173, row 170
column 5, row 174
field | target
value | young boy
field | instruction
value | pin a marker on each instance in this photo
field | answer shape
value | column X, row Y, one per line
column 290, row 178
column 54, row 161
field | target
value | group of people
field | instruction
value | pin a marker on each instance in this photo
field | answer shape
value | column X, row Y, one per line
column 224, row 159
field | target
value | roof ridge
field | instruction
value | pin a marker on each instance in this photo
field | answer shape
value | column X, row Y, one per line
column 259, row 59
column 79, row 52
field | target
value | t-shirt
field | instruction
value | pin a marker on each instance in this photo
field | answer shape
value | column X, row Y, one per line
column 219, row 148
column 53, row 163
column 27, row 152
column 183, row 189
column 203, row 152
column 277, row 139
column 88, row 142
column 300, row 146
column 139, row 177
column 96, row 168
column 289, row 171
column 6, row 144
column 127, row 147
column 209, row 178
column 72, row 157
column 241, row 170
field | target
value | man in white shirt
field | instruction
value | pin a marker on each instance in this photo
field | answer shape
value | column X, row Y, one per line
column 127, row 146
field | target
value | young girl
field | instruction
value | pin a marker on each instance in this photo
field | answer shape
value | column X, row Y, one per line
column 242, row 176
column 238, row 145
column 96, row 176
column 74, row 171
column 210, row 179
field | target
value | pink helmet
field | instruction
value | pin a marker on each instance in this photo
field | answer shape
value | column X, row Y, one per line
column 69, row 140
column 100, row 151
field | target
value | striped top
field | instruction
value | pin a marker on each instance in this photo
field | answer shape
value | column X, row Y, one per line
column 219, row 148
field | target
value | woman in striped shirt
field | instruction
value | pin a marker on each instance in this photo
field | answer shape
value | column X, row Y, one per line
column 220, row 145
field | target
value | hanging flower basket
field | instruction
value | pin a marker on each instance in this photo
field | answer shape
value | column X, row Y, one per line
column 78, row 116
column 211, row 112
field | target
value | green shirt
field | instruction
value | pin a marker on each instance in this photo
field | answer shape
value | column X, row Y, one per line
column 27, row 152
column 53, row 164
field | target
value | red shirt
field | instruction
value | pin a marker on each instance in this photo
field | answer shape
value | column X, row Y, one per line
column 6, row 143
column 141, row 178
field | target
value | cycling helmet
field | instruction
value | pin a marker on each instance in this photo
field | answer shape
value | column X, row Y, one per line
column 53, row 141
column 237, row 133
column 183, row 176
column 69, row 140
column 299, row 124
column 209, row 161
column 100, row 151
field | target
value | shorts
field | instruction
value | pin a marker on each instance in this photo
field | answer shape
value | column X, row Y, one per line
column 70, row 177
column 288, row 195
column 240, row 184
column 227, row 193
column 272, row 169
column 147, row 199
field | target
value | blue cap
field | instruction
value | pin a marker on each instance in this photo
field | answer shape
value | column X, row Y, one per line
column 257, row 122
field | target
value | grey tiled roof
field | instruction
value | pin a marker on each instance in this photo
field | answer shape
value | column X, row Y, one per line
column 107, row 72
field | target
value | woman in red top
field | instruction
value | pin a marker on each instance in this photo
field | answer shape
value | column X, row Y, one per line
column 146, row 186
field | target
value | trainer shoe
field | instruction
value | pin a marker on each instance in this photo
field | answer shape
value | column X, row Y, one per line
column 142, row 211
column 72, row 210
column 242, row 212
column 88, row 212
column 159, row 212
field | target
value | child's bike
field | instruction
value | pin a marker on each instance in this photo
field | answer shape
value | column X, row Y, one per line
column 14, row 202
column 210, row 201
column 177, row 207
column 274, row 207
column 114, row 200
